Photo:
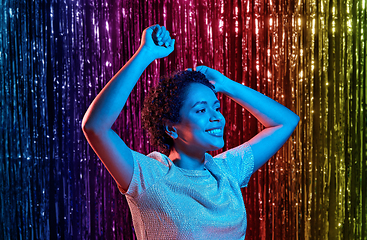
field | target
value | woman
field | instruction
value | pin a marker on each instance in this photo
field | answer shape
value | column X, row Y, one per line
column 184, row 193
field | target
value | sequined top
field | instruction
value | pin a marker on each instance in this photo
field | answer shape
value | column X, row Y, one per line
column 168, row 202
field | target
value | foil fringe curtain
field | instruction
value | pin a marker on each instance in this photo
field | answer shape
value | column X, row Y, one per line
column 309, row 55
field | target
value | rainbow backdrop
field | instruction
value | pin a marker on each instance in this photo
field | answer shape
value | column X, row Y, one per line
column 309, row 55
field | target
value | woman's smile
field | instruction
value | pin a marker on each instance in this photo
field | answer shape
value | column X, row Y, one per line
column 217, row 132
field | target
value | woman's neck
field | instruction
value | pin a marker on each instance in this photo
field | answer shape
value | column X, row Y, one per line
column 187, row 160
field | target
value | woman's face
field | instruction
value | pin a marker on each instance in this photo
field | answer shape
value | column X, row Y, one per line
column 201, row 126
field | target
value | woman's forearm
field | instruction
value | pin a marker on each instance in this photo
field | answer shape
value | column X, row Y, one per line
column 269, row 112
column 108, row 104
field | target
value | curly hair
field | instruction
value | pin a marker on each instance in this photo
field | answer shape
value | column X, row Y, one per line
column 163, row 104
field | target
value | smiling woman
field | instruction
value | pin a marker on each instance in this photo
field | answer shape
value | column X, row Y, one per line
column 183, row 192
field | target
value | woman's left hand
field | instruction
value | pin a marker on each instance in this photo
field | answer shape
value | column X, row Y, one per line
column 214, row 76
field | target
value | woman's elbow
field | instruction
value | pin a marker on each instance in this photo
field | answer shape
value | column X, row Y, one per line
column 291, row 121
column 294, row 120
column 87, row 127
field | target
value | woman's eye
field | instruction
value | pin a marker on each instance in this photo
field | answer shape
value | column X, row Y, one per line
column 201, row 110
column 218, row 109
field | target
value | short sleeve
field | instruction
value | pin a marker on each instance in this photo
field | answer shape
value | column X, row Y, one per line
column 239, row 162
column 147, row 170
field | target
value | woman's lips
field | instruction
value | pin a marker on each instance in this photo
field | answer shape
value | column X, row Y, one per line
column 218, row 132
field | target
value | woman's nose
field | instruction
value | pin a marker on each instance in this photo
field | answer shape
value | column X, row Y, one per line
column 216, row 116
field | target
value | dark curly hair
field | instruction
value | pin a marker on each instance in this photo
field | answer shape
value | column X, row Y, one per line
column 163, row 104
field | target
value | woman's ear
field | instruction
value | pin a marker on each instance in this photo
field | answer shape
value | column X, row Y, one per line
column 171, row 131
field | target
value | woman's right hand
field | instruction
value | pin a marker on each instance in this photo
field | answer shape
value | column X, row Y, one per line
column 156, row 41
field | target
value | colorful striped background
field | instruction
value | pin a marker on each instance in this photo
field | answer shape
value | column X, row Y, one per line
column 309, row 55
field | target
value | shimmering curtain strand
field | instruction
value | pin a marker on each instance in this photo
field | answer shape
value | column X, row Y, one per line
column 309, row 55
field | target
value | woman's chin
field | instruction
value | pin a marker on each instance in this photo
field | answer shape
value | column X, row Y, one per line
column 217, row 147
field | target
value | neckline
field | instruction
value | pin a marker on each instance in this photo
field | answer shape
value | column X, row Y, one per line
column 189, row 172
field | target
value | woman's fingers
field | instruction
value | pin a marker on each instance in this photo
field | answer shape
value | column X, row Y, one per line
column 201, row 68
column 163, row 28
column 164, row 38
column 169, row 42
column 198, row 68
column 161, row 32
column 172, row 42
column 158, row 30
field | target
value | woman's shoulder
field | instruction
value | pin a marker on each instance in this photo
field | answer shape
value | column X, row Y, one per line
column 238, row 161
column 242, row 151
column 238, row 158
column 160, row 157
column 147, row 170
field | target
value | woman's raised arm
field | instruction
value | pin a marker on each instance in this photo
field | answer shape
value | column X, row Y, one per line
column 279, row 121
column 107, row 105
column 105, row 108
